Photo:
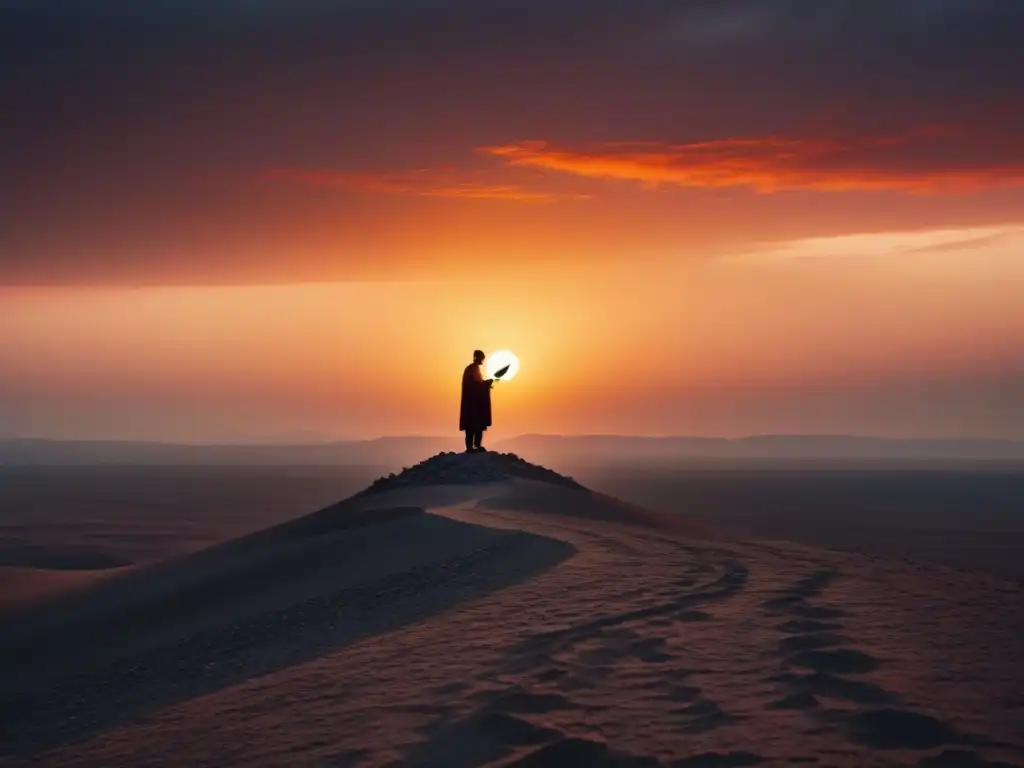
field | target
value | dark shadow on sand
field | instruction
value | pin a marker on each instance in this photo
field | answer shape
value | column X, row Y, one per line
column 44, row 705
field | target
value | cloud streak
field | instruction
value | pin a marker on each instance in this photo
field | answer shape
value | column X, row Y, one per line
column 422, row 183
column 1001, row 242
column 927, row 160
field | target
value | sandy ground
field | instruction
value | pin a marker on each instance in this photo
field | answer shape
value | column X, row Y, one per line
column 23, row 586
column 542, row 626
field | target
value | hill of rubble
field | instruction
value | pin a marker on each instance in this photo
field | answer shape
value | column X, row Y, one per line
column 469, row 469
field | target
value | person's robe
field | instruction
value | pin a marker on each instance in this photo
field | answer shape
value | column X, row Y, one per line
column 475, row 410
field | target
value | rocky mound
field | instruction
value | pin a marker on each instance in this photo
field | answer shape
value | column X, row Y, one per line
column 469, row 469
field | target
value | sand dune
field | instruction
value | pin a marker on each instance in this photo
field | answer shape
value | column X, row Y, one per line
column 498, row 618
column 21, row 587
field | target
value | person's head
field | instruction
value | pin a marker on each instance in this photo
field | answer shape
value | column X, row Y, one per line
column 478, row 357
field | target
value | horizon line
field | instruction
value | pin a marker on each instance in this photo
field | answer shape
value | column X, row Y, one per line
column 528, row 435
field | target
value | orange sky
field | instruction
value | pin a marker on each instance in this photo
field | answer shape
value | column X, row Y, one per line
column 259, row 221
column 756, row 342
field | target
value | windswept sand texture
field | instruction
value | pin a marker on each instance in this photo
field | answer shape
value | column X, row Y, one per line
column 522, row 622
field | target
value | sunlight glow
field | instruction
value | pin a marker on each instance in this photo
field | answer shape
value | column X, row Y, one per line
column 498, row 360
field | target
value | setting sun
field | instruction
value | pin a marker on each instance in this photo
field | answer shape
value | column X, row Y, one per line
column 503, row 358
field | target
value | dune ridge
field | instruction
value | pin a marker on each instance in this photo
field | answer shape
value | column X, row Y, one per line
column 567, row 630
column 76, row 664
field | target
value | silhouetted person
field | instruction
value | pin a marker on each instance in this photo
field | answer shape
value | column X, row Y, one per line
column 475, row 412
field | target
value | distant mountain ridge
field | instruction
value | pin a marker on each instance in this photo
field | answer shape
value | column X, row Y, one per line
column 379, row 451
column 768, row 447
column 397, row 451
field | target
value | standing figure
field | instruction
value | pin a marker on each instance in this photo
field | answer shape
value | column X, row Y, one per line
column 475, row 412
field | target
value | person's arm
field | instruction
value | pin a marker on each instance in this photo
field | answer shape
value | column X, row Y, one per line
column 479, row 377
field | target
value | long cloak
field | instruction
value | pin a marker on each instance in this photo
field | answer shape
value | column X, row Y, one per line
column 475, row 409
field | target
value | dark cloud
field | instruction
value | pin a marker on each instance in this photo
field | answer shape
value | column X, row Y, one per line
column 137, row 127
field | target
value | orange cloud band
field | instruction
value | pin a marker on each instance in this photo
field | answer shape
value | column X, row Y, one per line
column 424, row 183
column 776, row 163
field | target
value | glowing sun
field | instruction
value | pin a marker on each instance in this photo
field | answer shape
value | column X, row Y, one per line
column 500, row 359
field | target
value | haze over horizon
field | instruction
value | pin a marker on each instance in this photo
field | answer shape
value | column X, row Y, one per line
column 231, row 221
